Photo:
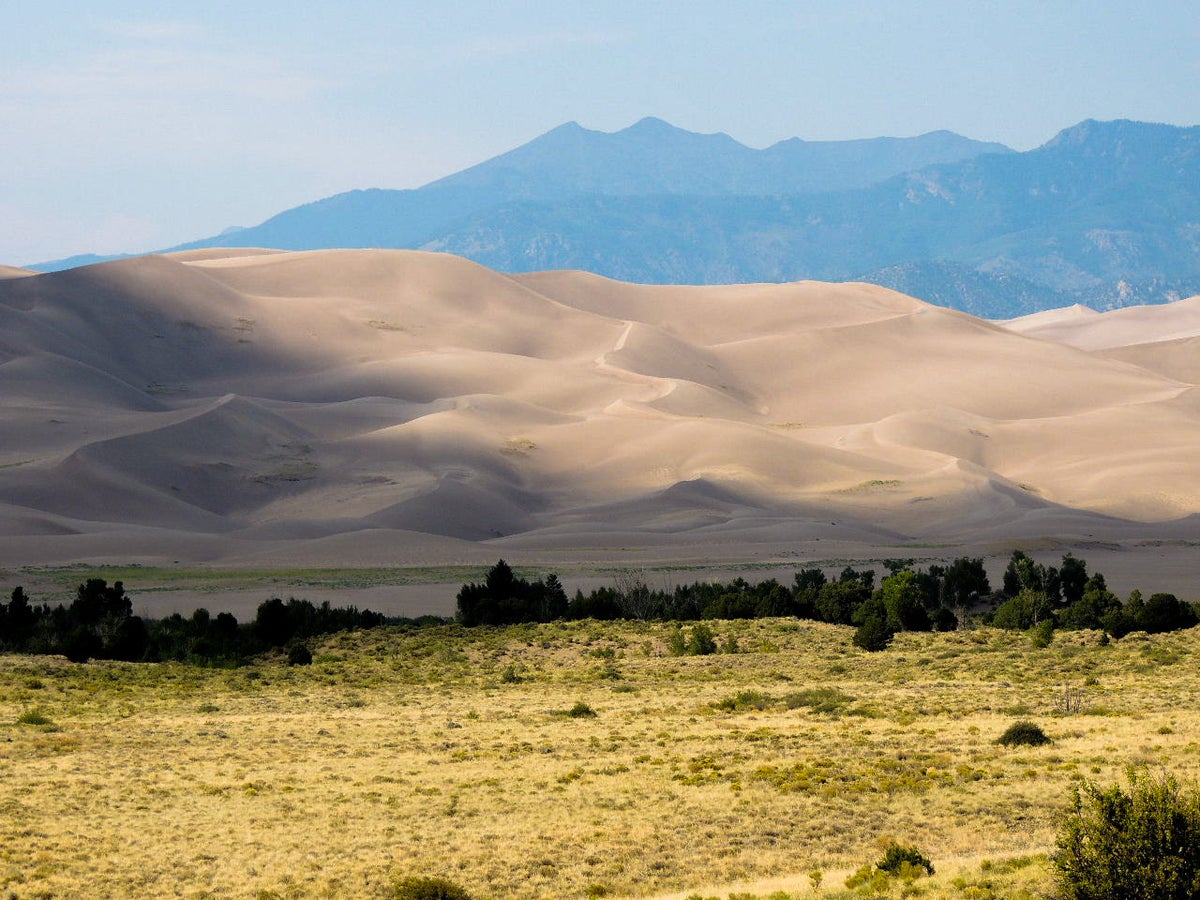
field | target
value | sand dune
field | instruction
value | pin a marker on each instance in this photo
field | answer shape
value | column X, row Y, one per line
column 229, row 404
column 1081, row 327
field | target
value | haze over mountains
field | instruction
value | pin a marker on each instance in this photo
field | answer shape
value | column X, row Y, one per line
column 335, row 405
column 1106, row 214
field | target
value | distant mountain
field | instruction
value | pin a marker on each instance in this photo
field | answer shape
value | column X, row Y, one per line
column 648, row 158
column 1106, row 213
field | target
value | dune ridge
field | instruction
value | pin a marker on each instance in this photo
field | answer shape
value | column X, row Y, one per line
column 214, row 403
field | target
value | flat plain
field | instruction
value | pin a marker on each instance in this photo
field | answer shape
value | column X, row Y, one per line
column 576, row 760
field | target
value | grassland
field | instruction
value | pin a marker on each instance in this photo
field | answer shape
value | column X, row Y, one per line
column 472, row 755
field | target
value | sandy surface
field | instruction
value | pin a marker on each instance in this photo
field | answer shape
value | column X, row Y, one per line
column 369, row 408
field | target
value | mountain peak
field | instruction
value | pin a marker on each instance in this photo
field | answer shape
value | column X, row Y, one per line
column 652, row 123
column 1093, row 130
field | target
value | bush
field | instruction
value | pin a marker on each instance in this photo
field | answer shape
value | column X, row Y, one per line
column 581, row 711
column 299, row 655
column 904, row 861
column 1023, row 734
column 898, row 861
column 873, row 635
column 702, row 642
column 1140, row 844
column 428, row 889
column 744, row 700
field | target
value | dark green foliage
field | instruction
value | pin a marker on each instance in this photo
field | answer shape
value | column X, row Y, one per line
column 425, row 888
column 745, row 700
column 899, row 860
column 904, row 602
column 99, row 625
column 837, row 601
column 33, row 717
column 819, row 700
column 964, row 582
column 505, row 599
column 702, row 641
column 581, row 711
column 944, row 619
column 873, row 634
column 95, row 601
column 676, row 642
column 1022, row 612
column 82, row 644
column 1143, row 844
column 1095, row 606
column 1023, row 734
column 866, row 577
column 1074, row 579
column 299, row 655
column 1041, row 635
column 1164, row 612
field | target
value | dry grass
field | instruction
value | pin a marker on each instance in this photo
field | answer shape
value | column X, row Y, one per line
column 446, row 752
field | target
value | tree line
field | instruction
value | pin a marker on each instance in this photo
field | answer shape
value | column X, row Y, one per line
column 907, row 598
column 99, row 624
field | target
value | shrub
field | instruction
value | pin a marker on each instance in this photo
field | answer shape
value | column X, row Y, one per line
column 1140, row 844
column 581, row 711
column 898, row 862
column 414, row 888
column 744, row 700
column 299, row 655
column 819, row 700
column 33, row 717
column 1023, row 734
column 676, row 642
column 1041, row 635
column 702, row 642
column 873, row 634
column 904, row 861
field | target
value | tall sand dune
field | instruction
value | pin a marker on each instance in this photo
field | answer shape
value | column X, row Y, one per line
column 243, row 404
column 1089, row 330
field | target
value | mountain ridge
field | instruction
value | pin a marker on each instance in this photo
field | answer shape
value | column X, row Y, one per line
column 1104, row 213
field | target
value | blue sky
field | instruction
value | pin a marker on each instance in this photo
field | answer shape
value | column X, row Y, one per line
column 128, row 126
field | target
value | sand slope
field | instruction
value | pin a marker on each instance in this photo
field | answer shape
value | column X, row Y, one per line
column 1089, row 330
column 210, row 403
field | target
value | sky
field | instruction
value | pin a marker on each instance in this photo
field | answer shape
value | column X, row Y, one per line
column 133, row 126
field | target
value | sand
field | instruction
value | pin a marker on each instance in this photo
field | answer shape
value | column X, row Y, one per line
column 379, row 407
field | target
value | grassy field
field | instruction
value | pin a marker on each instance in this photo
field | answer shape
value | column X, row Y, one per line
column 576, row 760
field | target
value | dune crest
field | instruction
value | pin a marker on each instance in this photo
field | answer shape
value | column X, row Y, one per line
column 243, row 395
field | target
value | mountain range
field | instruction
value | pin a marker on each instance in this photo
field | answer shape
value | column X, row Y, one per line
column 1106, row 214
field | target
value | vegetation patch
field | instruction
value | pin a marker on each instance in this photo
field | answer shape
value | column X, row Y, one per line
column 1023, row 734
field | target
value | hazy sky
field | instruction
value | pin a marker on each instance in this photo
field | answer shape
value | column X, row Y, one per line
column 128, row 126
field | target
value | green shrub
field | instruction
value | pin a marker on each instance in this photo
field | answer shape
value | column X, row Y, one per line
column 581, row 711
column 898, row 861
column 1135, row 845
column 702, row 641
column 1041, row 635
column 299, row 655
column 1023, row 734
column 874, row 634
column 819, row 700
column 422, row 888
column 676, row 643
column 744, row 700
column 33, row 717
column 904, row 861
